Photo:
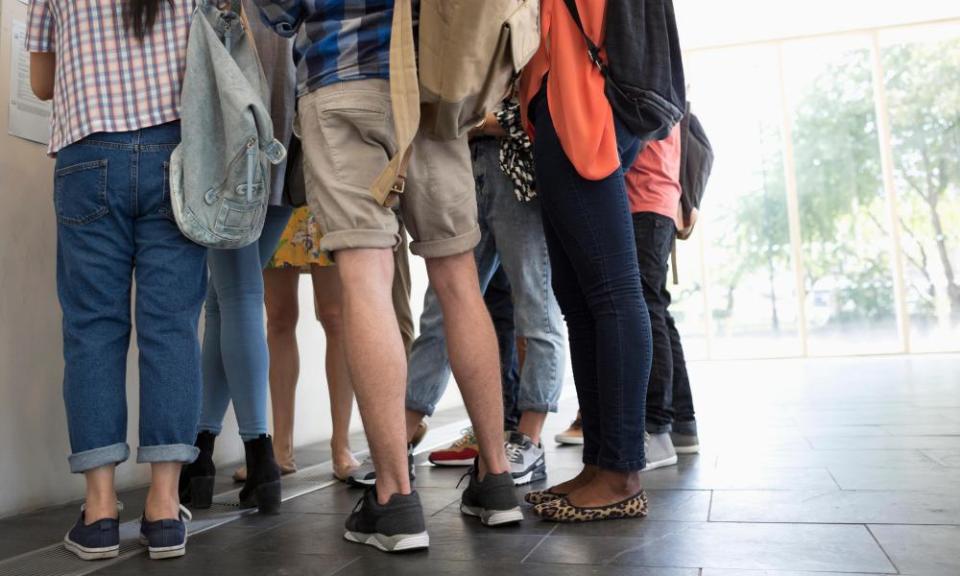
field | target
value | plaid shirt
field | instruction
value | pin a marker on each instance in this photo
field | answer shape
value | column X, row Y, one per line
column 106, row 80
column 337, row 40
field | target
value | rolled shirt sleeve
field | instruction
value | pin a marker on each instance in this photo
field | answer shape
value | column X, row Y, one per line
column 41, row 28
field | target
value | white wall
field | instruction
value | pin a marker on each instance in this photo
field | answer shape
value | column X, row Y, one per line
column 33, row 435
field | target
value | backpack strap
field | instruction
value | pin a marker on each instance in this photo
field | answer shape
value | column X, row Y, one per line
column 593, row 51
column 405, row 102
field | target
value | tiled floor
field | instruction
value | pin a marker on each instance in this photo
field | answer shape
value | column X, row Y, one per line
column 809, row 468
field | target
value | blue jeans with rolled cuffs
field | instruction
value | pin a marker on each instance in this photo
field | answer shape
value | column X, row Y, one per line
column 114, row 225
column 511, row 236
column 236, row 361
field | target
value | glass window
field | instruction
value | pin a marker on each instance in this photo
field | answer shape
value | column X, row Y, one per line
column 844, row 217
column 749, row 269
column 921, row 67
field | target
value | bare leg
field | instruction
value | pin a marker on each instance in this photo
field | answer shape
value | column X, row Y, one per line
column 585, row 477
column 328, row 301
column 472, row 347
column 101, row 500
column 377, row 362
column 163, row 501
column 531, row 424
column 283, row 310
column 414, row 419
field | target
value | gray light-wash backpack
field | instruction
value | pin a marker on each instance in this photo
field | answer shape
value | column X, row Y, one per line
column 220, row 172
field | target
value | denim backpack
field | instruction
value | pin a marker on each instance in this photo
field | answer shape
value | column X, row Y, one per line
column 220, row 172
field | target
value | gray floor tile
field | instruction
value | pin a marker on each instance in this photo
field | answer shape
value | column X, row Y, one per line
column 944, row 480
column 738, row 478
column 836, row 507
column 819, row 458
column 718, row 545
column 721, row 572
column 946, row 458
column 424, row 565
column 922, row 550
column 238, row 562
column 886, row 442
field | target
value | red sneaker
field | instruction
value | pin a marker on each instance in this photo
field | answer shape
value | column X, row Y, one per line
column 460, row 453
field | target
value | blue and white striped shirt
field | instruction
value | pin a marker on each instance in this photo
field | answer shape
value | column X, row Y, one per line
column 336, row 40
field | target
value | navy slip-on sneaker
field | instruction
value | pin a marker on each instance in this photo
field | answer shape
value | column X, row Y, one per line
column 96, row 541
column 165, row 538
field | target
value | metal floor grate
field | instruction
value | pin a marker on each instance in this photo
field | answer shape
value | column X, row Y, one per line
column 55, row 560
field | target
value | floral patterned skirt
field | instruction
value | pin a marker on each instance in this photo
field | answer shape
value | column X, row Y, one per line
column 300, row 244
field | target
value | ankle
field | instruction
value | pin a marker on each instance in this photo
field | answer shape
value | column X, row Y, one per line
column 161, row 507
column 100, row 507
column 620, row 482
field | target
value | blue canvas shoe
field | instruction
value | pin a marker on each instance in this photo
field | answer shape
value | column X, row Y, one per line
column 165, row 538
column 96, row 541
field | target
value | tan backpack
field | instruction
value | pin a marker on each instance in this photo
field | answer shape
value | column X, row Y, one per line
column 471, row 51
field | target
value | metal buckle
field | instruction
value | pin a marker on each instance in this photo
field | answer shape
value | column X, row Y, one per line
column 399, row 185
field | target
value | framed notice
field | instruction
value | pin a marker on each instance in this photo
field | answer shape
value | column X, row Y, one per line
column 29, row 116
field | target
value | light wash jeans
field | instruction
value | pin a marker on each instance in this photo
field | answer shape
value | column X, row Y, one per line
column 114, row 224
column 511, row 236
column 236, row 361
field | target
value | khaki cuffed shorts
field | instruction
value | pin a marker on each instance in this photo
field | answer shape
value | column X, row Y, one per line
column 348, row 139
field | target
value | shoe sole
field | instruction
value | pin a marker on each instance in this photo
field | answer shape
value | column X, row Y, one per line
column 85, row 553
column 398, row 543
column 569, row 441
column 687, row 449
column 672, row 461
column 493, row 517
column 452, row 463
column 360, row 483
column 536, row 475
column 164, row 552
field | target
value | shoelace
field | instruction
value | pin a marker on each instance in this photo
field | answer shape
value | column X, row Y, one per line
column 466, row 439
column 514, row 452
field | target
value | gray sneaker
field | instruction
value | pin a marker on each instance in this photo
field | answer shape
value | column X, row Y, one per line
column 493, row 501
column 365, row 476
column 659, row 451
column 685, row 444
column 528, row 463
column 397, row 526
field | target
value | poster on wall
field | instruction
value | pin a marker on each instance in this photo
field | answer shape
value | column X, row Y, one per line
column 29, row 117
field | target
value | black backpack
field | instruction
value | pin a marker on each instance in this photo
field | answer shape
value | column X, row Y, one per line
column 644, row 72
column 696, row 163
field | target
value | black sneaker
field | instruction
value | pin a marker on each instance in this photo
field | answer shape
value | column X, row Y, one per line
column 528, row 461
column 165, row 538
column 96, row 541
column 493, row 500
column 397, row 526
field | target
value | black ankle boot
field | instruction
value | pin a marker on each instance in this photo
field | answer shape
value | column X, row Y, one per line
column 196, row 479
column 262, row 488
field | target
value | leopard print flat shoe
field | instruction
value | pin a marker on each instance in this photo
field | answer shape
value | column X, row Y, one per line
column 564, row 512
column 541, row 496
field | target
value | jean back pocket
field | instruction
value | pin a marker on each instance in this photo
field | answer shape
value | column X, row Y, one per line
column 80, row 192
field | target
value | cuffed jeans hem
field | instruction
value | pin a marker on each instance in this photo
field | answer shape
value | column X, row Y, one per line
column 425, row 409
column 538, row 408
column 659, row 428
column 168, row 453
column 359, row 239
column 215, row 430
column 104, row 456
column 247, row 436
column 688, row 428
column 447, row 246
